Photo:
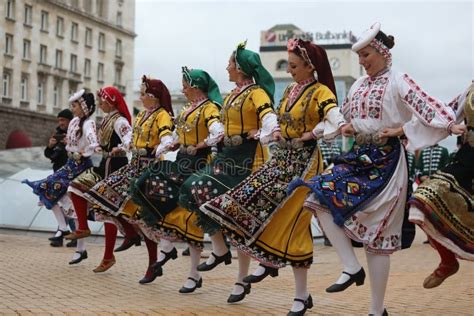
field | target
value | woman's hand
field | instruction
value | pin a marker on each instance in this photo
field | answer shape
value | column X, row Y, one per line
column 458, row 129
column 97, row 150
column 347, row 130
column 306, row 136
column 252, row 133
column 174, row 146
column 392, row 132
column 201, row 145
column 277, row 136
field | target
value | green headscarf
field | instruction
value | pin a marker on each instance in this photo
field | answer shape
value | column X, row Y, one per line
column 249, row 62
column 200, row 79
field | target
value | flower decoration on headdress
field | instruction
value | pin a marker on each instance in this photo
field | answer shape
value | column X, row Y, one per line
column 296, row 45
column 187, row 75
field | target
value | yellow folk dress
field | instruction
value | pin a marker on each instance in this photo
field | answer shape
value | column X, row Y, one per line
column 258, row 215
column 242, row 112
column 157, row 190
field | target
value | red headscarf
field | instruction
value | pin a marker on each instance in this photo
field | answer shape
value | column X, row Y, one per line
column 115, row 98
column 316, row 56
column 158, row 89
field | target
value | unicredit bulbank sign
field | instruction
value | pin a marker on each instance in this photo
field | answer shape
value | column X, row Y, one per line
column 280, row 37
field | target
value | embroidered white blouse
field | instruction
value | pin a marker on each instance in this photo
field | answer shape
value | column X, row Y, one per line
column 86, row 144
column 123, row 129
column 392, row 100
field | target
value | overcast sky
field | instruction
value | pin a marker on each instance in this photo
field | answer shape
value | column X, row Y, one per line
column 434, row 39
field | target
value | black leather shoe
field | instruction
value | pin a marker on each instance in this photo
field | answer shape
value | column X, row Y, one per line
column 173, row 254
column 154, row 274
column 83, row 255
column 197, row 284
column 72, row 244
column 383, row 314
column 227, row 259
column 234, row 298
column 56, row 243
column 185, row 252
column 308, row 304
column 60, row 237
column 357, row 278
column 127, row 243
column 273, row 272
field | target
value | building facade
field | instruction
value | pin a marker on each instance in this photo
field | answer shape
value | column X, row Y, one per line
column 52, row 48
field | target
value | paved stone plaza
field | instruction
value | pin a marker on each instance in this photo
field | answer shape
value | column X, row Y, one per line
column 35, row 279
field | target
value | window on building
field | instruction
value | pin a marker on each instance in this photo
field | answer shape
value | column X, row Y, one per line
column 44, row 21
column 59, row 59
column 101, row 8
column 6, row 83
column 73, row 67
column 56, row 95
column 24, row 88
column 118, row 48
column 87, row 68
column 43, row 54
column 8, row 44
column 10, row 9
column 60, row 26
column 40, row 92
column 101, row 42
column 88, row 6
column 74, row 31
column 118, row 76
column 88, row 37
column 100, row 72
column 28, row 15
column 282, row 65
column 26, row 49
column 119, row 18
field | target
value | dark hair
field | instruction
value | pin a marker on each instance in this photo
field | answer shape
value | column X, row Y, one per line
column 90, row 101
column 387, row 40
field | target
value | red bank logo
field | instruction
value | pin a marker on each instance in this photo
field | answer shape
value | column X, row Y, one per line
column 270, row 37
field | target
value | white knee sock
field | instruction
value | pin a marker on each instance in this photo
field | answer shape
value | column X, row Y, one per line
column 195, row 255
column 259, row 270
column 58, row 213
column 244, row 263
column 379, row 268
column 218, row 247
column 301, row 287
column 341, row 243
column 165, row 245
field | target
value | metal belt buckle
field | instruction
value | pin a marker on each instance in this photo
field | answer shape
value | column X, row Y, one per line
column 360, row 139
column 296, row 143
column 191, row 150
column 378, row 140
column 227, row 142
column 236, row 140
column 282, row 143
column 75, row 156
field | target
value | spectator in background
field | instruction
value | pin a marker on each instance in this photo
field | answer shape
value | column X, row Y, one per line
column 431, row 160
column 56, row 152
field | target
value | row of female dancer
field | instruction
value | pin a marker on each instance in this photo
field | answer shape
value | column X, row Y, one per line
column 266, row 181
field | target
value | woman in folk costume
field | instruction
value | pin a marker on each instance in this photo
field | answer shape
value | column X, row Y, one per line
column 152, row 132
column 198, row 127
column 443, row 206
column 82, row 142
column 258, row 216
column 363, row 196
column 246, row 109
column 115, row 135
